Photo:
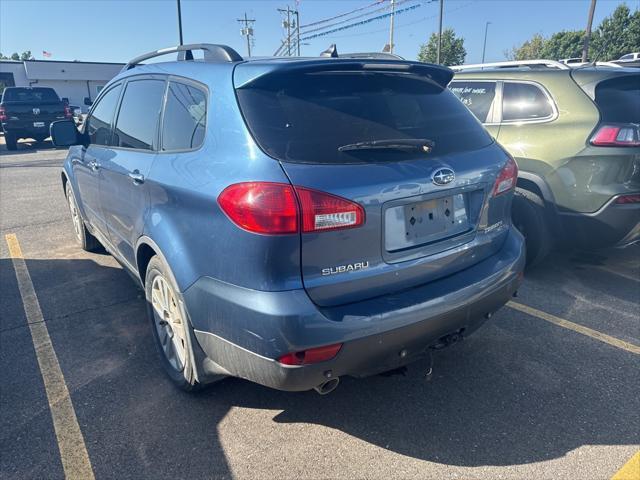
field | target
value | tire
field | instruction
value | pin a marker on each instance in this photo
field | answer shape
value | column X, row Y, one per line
column 528, row 215
column 171, row 329
column 86, row 241
column 11, row 140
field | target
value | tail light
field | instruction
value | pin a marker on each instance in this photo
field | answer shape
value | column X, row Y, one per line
column 279, row 208
column 627, row 199
column 322, row 211
column 624, row 135
column 507, row 178
column 261, row 207
column 3, row 115
column 67, row 111
column 313, row 355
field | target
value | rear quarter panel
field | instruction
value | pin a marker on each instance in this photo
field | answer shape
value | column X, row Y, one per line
column 549, row 149
column 185, row 221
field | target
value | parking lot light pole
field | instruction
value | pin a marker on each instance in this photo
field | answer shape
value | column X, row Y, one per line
column 484, row 46
column 180, row 23
column 587, row 35
column 440, row 33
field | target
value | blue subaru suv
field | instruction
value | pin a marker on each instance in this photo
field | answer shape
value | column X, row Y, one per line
column 295, row 220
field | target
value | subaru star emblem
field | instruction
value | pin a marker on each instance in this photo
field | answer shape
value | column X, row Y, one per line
column 36, row 111
column 443, row 176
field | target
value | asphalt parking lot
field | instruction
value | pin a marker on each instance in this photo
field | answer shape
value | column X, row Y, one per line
column 547, row 389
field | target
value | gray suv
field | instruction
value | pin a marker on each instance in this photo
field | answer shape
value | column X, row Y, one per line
column 295, row 220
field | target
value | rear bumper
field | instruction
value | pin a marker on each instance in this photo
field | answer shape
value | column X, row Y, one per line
column 26, row 129
column 612, row 226
column 242, row 332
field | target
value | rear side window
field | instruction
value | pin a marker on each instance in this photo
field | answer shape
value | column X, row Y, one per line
column 525, row 101
column 307, row 117
column 477, row 96
column 139, row 114
column 185, row 114
column 30, row 95
column 618, row 99
column 98, row 126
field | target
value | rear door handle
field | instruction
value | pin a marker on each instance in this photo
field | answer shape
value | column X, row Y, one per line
column 137, row 177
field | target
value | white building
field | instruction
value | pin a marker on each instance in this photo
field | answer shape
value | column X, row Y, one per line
column 72, row 80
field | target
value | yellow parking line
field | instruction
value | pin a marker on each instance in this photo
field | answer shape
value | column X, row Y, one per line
column 73, row 451
column 561, row 322
column 630, row 470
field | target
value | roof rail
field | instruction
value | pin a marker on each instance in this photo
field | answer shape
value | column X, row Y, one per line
column 512, row 64
column 212, row 53
column 608, row 64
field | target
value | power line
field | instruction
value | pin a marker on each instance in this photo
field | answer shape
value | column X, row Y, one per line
column 325, row 20
column 403, row 25
column 362, row 22
column 397, row 2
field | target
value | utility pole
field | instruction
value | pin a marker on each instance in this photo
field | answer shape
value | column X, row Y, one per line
column 180, row 23
column 297, row 13
column 484, row 47
column 393, row 12
column 287, row 24
column 247, row 31
column 440, row 33
column 587, row 35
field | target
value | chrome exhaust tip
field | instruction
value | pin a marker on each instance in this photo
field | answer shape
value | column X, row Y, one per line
column 327, row 387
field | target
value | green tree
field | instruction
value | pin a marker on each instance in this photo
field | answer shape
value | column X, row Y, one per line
column 616, row 35
column 452, row 51
column 529, row 50
column 564, row 44
column 26, row 55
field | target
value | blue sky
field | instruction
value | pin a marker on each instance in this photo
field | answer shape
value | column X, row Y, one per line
column 118, row 30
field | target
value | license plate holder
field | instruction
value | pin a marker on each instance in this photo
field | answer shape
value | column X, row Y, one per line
column 428, row 218
column 425, row 221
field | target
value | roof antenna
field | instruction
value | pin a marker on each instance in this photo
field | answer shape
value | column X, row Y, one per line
column 332, row 51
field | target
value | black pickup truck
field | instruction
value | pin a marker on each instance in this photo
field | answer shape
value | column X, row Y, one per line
column 27, row 112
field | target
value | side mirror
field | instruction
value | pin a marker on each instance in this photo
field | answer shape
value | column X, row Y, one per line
column 87, row 101
column 64, row 133
column 65, row 100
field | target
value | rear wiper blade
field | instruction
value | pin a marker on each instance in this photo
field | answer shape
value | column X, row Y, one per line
column 421, row 144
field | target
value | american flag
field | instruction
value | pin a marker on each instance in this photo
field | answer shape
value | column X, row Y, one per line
column 46, row 54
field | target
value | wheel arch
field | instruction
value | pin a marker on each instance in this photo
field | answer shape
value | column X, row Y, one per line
column 146, row 248
column 536, row 184
column 63, row 177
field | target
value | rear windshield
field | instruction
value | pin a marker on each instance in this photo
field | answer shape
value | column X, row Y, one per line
column 306, row 117
column 30, row 95
column 618, row 99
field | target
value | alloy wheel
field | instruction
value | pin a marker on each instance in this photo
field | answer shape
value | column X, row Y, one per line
column 168, row 322
column 75, row 216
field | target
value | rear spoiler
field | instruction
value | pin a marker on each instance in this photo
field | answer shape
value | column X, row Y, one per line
column 247, row 74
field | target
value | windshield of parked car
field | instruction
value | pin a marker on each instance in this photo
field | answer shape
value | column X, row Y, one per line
column 30, row 95
column 308, row 117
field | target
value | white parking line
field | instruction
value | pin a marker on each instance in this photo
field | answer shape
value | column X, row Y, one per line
column 620, row 274
column 73, row 451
